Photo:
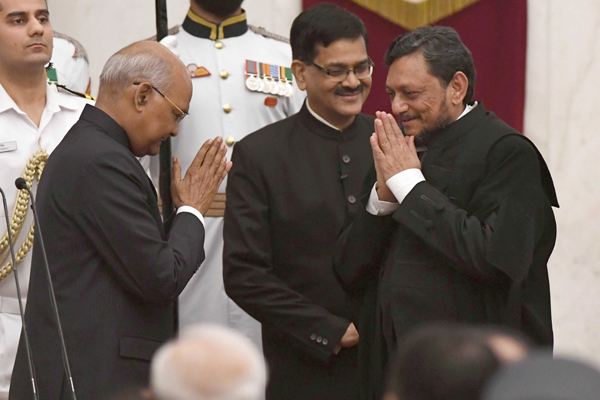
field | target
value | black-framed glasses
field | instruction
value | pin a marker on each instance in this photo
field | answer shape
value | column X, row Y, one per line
column 361, row 71
column 182, row 114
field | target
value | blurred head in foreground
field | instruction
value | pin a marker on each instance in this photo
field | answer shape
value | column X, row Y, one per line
column 208, row 363
column 451, row 361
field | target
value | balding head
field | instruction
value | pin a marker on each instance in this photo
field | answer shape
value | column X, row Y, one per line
column 139, row 62
column 147, row 90
column 208, row 363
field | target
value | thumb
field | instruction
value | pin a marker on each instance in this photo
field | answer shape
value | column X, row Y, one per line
column 176, row 171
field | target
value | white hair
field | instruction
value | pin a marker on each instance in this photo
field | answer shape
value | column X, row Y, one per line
column 126, row 67
column 208, row 362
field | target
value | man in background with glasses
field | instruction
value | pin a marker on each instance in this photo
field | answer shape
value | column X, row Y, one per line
column 294, row 186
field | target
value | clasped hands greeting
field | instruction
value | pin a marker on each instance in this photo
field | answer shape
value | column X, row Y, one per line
column 202, row 179
column 392, row 152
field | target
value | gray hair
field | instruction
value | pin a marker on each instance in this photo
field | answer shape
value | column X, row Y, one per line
column 126, row 67
column 208, row 362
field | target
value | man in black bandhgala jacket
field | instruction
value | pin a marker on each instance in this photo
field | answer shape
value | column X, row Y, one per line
column 294, row 186
column 458, row 222
column 116, row 269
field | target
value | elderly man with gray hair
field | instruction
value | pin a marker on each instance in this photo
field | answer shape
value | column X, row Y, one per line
column 116, row 268
column 208, row 362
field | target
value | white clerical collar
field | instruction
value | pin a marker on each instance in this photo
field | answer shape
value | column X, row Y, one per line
column 468, row 109
column 317, row 116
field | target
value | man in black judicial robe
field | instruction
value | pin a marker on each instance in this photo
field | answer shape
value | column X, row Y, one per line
column 457, row 223
column 116, row 269
column 293, row 188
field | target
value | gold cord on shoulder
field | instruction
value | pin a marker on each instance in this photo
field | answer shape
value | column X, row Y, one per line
column 33, row 170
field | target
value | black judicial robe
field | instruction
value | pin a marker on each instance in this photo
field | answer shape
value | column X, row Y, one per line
column 293, row 187
column 470, row 244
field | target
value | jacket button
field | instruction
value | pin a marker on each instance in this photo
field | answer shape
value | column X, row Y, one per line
column 351, row 199
column 346, row 158
column 325, row 341
column 313, row 336
column 319, row 339
column 227, row 108
column 230, row 141
column 224, row 74
column 219, row 45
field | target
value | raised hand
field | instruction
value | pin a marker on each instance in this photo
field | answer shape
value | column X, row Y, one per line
column 203, row 178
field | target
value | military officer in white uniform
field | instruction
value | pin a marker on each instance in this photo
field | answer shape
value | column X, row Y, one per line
column 34, row 118
column 227, row 58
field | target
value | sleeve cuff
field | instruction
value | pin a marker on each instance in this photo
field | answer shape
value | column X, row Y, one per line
column 402, row 183
column 378, row 207
column 191, row 210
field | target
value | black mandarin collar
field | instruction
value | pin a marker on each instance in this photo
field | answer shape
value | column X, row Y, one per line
column 319, row 128
column 458, row 128
column 98, row 117
column 231, row 27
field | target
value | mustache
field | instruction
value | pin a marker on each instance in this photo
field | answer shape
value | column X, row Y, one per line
column 344, row 91
column 406, row 116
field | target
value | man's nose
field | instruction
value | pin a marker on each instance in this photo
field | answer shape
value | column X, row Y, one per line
column 399, row 106
column 351, row 80
column 35, row 27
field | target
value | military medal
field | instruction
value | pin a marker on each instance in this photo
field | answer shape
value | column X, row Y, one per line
column 252, row 82
column 196, row 71
column 275, row 78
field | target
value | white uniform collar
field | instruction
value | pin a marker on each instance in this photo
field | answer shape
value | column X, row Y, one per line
column 54, row 101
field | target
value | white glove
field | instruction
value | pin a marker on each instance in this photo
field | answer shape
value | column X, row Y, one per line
column 170, row 42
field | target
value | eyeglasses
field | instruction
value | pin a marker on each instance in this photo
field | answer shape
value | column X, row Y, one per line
column 361, row 71
column 182, row 114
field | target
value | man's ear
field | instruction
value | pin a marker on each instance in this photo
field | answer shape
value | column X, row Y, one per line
column 458, row 88
column 141, row 94
column 299, row 71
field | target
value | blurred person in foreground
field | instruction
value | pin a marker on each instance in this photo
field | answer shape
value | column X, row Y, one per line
column 457, row 223
column 209, row 363
column 451, row 361
column 116, row 268
column 34, row 117
column 293, row 189
column 543, row 377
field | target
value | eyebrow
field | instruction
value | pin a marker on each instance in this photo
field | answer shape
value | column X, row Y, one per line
column 24, row 14
column 342, row 65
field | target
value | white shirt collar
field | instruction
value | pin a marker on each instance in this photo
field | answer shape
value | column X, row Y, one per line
column 317, row 116
column 468, row 109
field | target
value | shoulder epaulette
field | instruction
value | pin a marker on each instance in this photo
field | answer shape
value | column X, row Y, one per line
column 79, row 49
column 262, row 31
column 64, row 89
column 172, row 31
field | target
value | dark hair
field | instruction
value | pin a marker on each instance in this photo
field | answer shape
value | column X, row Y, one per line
column 443, row 51
column 323, row 24
column 441, row 362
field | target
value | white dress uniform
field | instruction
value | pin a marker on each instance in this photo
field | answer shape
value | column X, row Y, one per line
column 20, row 138
column 223, row 106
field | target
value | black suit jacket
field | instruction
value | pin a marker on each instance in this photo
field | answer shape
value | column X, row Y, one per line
column 116, row 272
column 469, row 244
column 293, row 187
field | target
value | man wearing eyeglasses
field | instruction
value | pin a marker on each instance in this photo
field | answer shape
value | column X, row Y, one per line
column 293, row 188
column 116, row 268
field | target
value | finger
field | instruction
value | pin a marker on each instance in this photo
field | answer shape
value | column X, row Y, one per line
column 378, row 154
column 209, row 159
column 411, row 144
column 380, row 134
column 218, row 160
column 199, row 159
column 395, row 127
column 176, row 171
column 389, row 128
